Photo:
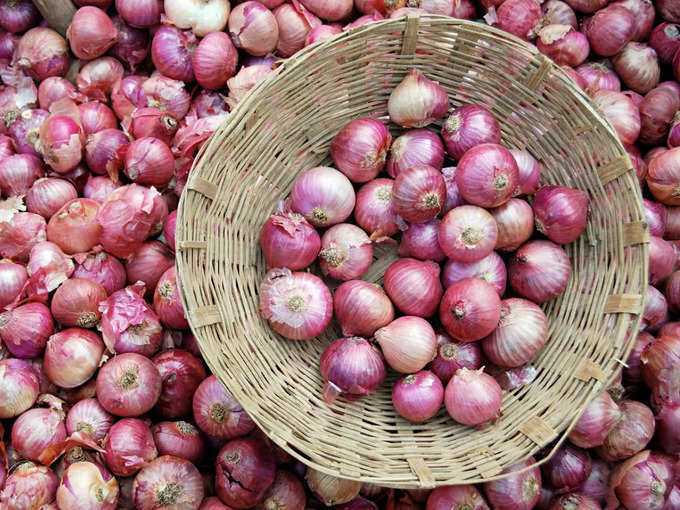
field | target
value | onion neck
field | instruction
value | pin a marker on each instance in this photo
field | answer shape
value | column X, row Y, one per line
column 87, row 320
column 296, row 304
column 452, row 124
column 128, row 380
column 384, row 194
column 169, row 494
column 218, row 412
column 320, row 216
column 429, row 201
column 470, row 237
column 448, row 352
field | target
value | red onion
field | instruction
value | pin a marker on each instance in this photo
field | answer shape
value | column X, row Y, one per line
column 561, row 213
column 463, row 9
column 18, row 173
column 352, row 367
column 597, row 484
column 417, row 101
column 181, row 373
column 662, row 259
column 663, row 177
column 129, row 215
column 418, row 397
column 665, row 39
column 335, row 10
column 37, row 430
column 631, row 432
column 515, row 222
column 202, row 16
column 567, row 469
column 253, row 28
column 490, row 269
column 668, row 10
column 8, row 45
column 419, row 193
column 214, row 60
column 621, row 112
column 18, row 16
column 539, row 271
column 515, row 492
column 598, row 419
column 25, row 329
column 298, row 305
column 73, row 227
column 41, row 53
column 453, row 355
column 321, row 33
column 128, row 322
column 421, row 241
column 169, row 231
column 361, row 308
column 180, row 439
column 98, row 188
column 655, row 216
column 656, row 114
column 519, row 17
column 610, row 29
column 29, row 486
column 636, row 159
column 487, row 175
column 127, row 95
column 129, row 446
column 91, row 33
column 96, row 80
column 47, row 258
column 470, row 309
column 529, row 172
column 288, row 493
column 644, row 13
column 414, row 286
column 521, row 333
column 19, row 387
column 132, row 46
column 673, row 501
column 473, row 397
column 61, row 142
column 103, row 269
column 104, row 152
column 47, row 195
column 213, row 503
column 128, row 385
column 148, row 264
column 563, row 44
column 453, row 198
column 20, row 234
column 374, row 211
column 294, row 22
column 468, row 126
column 12, row 280
column 217, row 413
column 360, row 148
column 638, row 67
column 656, row 309
column 244, row 80
column 558, row 12
column 208, row 103
column 76, row 302
column 599, row 76
column 632, row 372
column 412, row 356
column 574, row 501
column 172, row 50
column 149, row 161
column 72, row 357
column 55, row 88
column 245, row 470
column 674, row 132
column 25, row 131
column 415, row 147
column 90, row 418
column 140, row 13
column 467, row 233
column 288, row 240
column 642, row 481
column 363, row 20
column 346, row 252
column 87, row 486
column 323, row 196
column 456, row 497
column 6, row 146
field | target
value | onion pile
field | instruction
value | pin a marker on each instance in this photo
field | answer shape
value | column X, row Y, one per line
column 440, row 241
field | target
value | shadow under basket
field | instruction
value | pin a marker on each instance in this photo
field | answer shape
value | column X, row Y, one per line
column 285, row 126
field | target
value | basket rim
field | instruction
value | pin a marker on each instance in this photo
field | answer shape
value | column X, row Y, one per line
column 240, row 114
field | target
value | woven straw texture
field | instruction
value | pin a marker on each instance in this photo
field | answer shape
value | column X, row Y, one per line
column 285, row 126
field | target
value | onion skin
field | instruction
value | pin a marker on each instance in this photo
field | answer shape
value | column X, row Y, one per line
column 516, row 492
column 630, row 434
column 361, row 308
column 470, row 309
column 414, row 286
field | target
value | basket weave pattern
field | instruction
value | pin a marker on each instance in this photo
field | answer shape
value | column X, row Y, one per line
column 285, row 127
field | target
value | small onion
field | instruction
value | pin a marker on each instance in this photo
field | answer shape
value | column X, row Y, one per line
column 610, row 29
column 468, row 126
column 490, row 269
column 487, row 175
column 539, row 271
column 55, row 88
column 361, row 308
column 76, row 303
column 374, row 211
column 630, row 434
column 598, row 419
column 563, row 44
column 621, row 112
column 665, row 39
column 128, row 385
column 217, row 413
column 419, row 193
column 294, row 22
column 20, row 234
column 515, row 222
column 656, row 114
column 285, row 493
column 245, row 470
column 567, row 469
column 202, row 16
column 667, row 429
column 662, row 259
column 408, row 344
column 171, row 52
column 41, row 53
column 61, row 143
column 470, row 309
column 149, row 161
column 18, row 173
column 180, row 439
column 515, row 492
column 19, row 386
column 253, row 28
column 473, row 397
column 37, row 430
column 181, row 373
column 25, row 131
column 529, row 172
column 29, row 486
column 560, row 213
column 12, row 280
column 417, row 101
column 414, row 286
column 638, row 66
column 359, row 150
column 88, row 417
column 352, row 367
column 91, row 33
column 656, row 309
column 559, row 13
column 599, row 76
column 468, row 233
column 148, row 264
column 655, row 216
column 346, row 252
column 453, row 197
column 321, row 33
column 421, row 241
column 102, row 268
column 215, row 60
column 453, row 355
column 47, row 195
column 140, row 13
column 74, row 227
column 25, row 329
column 418, row 397
column 574, row 501
column 642, row 481
column 415, row 147
column 663, row 177
column 96, row 80
column 323, row 196
column 331, row 490
column 132, row 46
column 519, row 17
column 169, row 230
column 72, row 356
column 87, row 486
column 98, row 188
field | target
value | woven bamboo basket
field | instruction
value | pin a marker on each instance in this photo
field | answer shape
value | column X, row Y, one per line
column 285, row 126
